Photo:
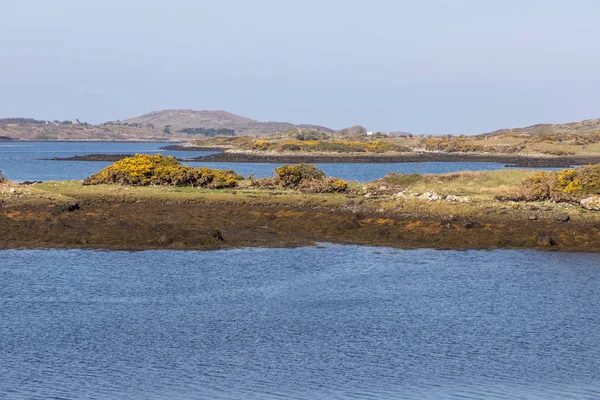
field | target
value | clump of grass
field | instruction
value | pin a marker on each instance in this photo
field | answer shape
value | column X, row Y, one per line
column 399, row 179
column 146, row 170
column 486, row 183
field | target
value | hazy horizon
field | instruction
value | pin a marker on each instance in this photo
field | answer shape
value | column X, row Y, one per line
column 455, row 67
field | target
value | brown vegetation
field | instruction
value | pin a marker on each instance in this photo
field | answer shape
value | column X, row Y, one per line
column 567, row 185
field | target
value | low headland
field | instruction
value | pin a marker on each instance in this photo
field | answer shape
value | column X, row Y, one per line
column 525, row 149
column 153, row 202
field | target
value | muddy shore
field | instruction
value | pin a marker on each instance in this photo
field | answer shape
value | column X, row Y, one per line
column 225, row 156
column 129, row 223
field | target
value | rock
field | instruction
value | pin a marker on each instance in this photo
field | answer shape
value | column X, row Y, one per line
column 368, row 195
column 383, row 188
column 591, row 203
column 546, row 239
column 13, row 190
column 533, row 217
column 217, row 235
column 457, row 199
column 563, row 217
column 381, row 210
column 430, row 196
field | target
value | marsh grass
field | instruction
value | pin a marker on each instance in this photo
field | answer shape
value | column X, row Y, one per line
column 476, row 183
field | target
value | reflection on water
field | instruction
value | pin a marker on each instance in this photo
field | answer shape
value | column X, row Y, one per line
column 309, row 323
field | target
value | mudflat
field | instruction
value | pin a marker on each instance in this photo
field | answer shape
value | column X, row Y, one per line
column 68, row 215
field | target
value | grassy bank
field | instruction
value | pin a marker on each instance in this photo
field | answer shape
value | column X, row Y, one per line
column 458, row 211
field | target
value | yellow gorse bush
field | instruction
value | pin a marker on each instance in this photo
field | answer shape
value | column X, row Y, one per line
column 458, row 145
column 306, row 178
column 565, row 185
column 145, row 170
column 332, row 146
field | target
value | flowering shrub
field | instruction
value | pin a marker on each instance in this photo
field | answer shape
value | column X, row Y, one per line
column 331, row 146
column 458, row 145
column 566, row 185
column 293, row 175
column 303, row 177
column 145, row 170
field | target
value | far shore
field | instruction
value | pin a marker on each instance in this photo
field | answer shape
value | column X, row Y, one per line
column 222, row 155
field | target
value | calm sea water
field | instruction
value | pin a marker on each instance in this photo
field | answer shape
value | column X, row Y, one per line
column 337, row 322
column 21, row 161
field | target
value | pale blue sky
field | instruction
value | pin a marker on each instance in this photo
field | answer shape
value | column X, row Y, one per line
column 424, row 66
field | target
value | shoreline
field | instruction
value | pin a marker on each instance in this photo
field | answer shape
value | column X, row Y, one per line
column 111, row 217
column 218, row 226
column 413, row 157
column 248, row 157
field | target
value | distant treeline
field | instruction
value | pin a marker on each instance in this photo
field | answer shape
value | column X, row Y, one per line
column 208, row 132
column 31, row 121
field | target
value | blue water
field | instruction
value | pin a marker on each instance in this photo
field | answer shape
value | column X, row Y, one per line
column 21, row 161
column 338, row 322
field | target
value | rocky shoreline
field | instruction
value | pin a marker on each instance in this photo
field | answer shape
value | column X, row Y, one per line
column 130, row 219
column 127, row 226
column 413, row 157
column 253, row 157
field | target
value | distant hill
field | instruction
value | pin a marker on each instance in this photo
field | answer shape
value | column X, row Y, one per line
column 177, row 120
column 582, row 127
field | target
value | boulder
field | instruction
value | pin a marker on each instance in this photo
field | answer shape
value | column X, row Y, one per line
column 564, row 217
column 591, row 203
column 430, row 196
column 457, row 199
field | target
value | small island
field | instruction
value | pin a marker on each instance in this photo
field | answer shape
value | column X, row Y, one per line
column 154, row 202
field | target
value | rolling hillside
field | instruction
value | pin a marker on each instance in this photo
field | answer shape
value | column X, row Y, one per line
column 583, row 127
column 182, row 119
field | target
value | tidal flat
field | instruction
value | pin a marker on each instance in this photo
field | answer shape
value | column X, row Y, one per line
column 431, row 212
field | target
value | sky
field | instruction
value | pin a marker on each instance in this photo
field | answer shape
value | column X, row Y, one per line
column 422, row 66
